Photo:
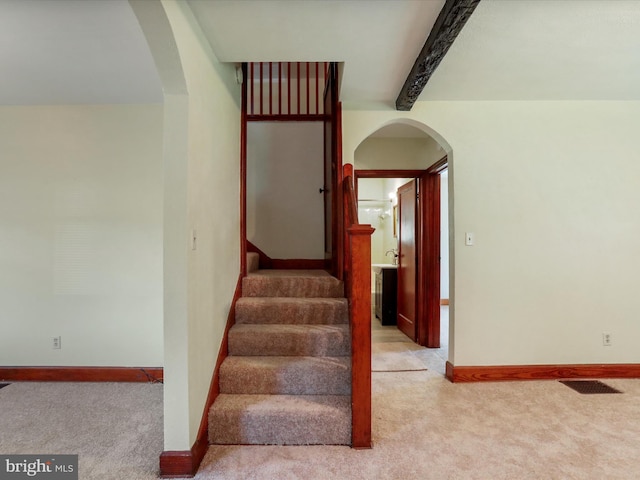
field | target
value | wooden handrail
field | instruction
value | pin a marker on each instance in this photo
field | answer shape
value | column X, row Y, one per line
column 351, row 203
column 357, row 270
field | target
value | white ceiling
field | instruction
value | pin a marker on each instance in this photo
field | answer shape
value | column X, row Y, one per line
column 544, row 50
column 378, row 40
column 74, row 51
column 93, row 51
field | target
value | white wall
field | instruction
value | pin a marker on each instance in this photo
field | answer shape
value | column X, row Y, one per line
column 550, row 191
column 285, row 211
column 213, row 213
column 201, row 151
column 379, row 153
column 81, row 235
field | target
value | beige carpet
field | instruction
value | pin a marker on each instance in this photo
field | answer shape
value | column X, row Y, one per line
column 287, row 378
column 427, row 428
column 114, row 428
column 423, row 427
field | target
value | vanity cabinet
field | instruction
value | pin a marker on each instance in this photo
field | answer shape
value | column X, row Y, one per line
column 386, row 293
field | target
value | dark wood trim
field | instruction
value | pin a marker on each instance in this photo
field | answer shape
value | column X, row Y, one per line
column 185, row 463
column 360, row 319
column 332, row 168
column 540, row 372
column 440, row 166
column 243, row 174
column 428, row 333
column 448, row 371
column 82, row 374
column 388, row 173
column 180, row 463
column 313, row 117
column 428, row 245
column 446, row 28
column 338, row 224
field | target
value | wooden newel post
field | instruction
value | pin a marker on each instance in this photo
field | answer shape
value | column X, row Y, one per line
column 359, row 287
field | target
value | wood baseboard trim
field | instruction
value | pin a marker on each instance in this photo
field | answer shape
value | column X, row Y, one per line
column 82, row 374
column 444, row 301
column 185, row 463
column 540, row 372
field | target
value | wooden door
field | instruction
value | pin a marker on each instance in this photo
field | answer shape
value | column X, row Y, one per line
column 407, row 259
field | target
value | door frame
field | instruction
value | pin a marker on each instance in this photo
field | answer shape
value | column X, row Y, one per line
column 428, row 245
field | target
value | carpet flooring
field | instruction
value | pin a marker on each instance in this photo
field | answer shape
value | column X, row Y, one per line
column 424, row 428
column 114, row 428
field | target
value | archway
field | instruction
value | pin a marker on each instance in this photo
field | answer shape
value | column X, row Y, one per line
column 405, row 148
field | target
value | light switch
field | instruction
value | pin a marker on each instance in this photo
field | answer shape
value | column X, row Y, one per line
column 469, row 239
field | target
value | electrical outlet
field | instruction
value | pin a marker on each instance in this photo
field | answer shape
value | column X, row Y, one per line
column 606, row 339
column 57, row 343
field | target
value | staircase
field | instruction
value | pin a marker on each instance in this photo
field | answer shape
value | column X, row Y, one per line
column 287, row 378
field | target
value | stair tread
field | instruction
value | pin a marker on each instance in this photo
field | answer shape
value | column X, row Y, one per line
column 292, row 283
column 289, row 339
column 297, row 375
column 292, row 310
column 281, row 419
column 289, row 327
column 275, row 361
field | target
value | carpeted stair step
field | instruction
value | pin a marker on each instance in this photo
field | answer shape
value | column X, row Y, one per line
column 271, row 310
column 253, row 262
column 284, row 340
column 286, row 375
column 280, row 420
column 291, row 283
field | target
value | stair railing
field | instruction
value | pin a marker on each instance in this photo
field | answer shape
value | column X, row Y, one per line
column 357, row 273
column 286, row 91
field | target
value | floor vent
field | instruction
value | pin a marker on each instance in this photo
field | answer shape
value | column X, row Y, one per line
column 2, row 385
column 589, row 386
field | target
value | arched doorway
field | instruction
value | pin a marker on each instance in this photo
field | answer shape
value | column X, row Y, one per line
column 397, row 150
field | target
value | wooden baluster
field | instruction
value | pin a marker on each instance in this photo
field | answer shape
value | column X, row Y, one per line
column 261, row 89
column 251, row 76
column 279, row 88
column 298, row 82
column 308, row 89
column 270, row 88
column 317, row 87
column 289, row 88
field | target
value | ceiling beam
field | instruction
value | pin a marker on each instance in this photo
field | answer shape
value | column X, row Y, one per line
column 448, row 25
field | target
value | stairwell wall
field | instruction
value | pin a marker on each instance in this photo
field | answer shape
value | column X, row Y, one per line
column 211, row 177
column 285, row 210
column 550, row 191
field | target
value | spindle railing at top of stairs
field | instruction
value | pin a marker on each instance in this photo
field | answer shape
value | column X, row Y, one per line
column 357, row 273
